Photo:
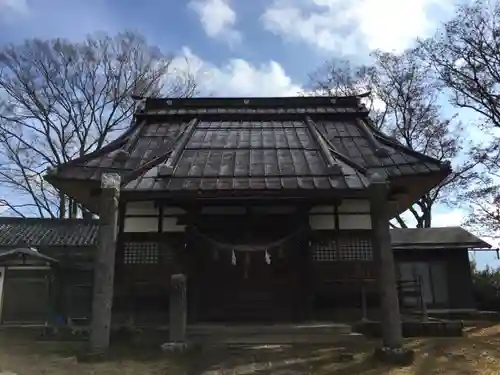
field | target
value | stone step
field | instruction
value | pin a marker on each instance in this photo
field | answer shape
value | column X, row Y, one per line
column 290, row 339
column 249, row 329
column 273, row 334
column 320, row 333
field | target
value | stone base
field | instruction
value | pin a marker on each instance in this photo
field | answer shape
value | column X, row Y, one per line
column 395, row 356
column 89, row 357
column 174, row 347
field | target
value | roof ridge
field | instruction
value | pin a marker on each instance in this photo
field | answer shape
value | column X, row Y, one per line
column 46, row 219
column 111, row 146
column 273, row 101
column 332, row 165
column 179, row 148
column 142, row 169
column 341, row 156
column 388, row 141
column 378, row 149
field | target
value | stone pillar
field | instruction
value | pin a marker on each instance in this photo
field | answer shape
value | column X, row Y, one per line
column 178, row 309
column 104, row 264
column 392, row 337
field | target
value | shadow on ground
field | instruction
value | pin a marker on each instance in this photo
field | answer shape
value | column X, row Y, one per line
column 477, row 353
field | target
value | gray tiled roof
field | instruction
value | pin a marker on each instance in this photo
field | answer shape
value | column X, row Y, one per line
column 252, row 155
column 406, row 238
column 251, row 144
column 35, row 232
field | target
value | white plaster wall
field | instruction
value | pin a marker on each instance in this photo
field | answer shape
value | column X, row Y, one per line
column 354, row 221
column 167, row 211
column 169, row 224
column 354, row 206
column 322, row 222
column 150, row 224
column 141, row 208
column 140, row 224
column 353, row 214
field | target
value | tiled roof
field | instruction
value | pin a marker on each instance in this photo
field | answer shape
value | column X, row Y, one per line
column 250, row 144
column 34, row 232
column 244, row 155
column 406, row 238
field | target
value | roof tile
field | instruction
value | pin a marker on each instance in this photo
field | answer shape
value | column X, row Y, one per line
column 34, row 232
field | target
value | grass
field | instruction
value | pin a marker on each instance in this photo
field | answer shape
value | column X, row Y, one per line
column 476, row 353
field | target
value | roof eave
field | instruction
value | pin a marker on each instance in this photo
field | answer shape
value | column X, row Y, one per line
column 442, row 246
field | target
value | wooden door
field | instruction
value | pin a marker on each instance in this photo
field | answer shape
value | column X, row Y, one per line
column 247, row 287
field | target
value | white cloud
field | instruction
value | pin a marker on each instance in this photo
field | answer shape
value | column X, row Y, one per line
column 217, row 18
column 453, row 218
column 238, row 77
column 346, row 26
column 13, row 8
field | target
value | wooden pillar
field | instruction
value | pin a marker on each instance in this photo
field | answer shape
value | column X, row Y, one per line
column 392, row 336
column 104, row 268
column 178, row 309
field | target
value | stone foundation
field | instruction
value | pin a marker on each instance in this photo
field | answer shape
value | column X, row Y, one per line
column 395, row 356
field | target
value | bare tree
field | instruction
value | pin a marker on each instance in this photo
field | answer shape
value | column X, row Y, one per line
column 408, row 111
column 61, row 100
column 484, row 205
column 465, row 55
column 339, row 77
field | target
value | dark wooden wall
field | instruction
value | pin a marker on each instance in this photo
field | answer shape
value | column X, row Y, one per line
column 26, row 296
column 459, row 277
column 302, row 278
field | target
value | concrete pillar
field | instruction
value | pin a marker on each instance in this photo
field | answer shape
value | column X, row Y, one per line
column 104, row 267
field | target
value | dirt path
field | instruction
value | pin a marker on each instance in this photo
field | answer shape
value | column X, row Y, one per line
column 477, row 353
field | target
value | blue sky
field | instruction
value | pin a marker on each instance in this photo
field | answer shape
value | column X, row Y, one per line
column 243, row 47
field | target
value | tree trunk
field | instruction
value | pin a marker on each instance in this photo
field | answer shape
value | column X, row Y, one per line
column 62, row 205
column 102, row 300
column 392, row 335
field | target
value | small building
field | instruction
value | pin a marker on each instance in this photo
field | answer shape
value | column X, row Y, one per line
column 45, row 269
column 245, row 196
column 439, row 257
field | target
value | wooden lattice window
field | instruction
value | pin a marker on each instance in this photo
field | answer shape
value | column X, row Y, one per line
column 342, row 249
column 355, row 248
column 324, row 251
column 141, row 253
